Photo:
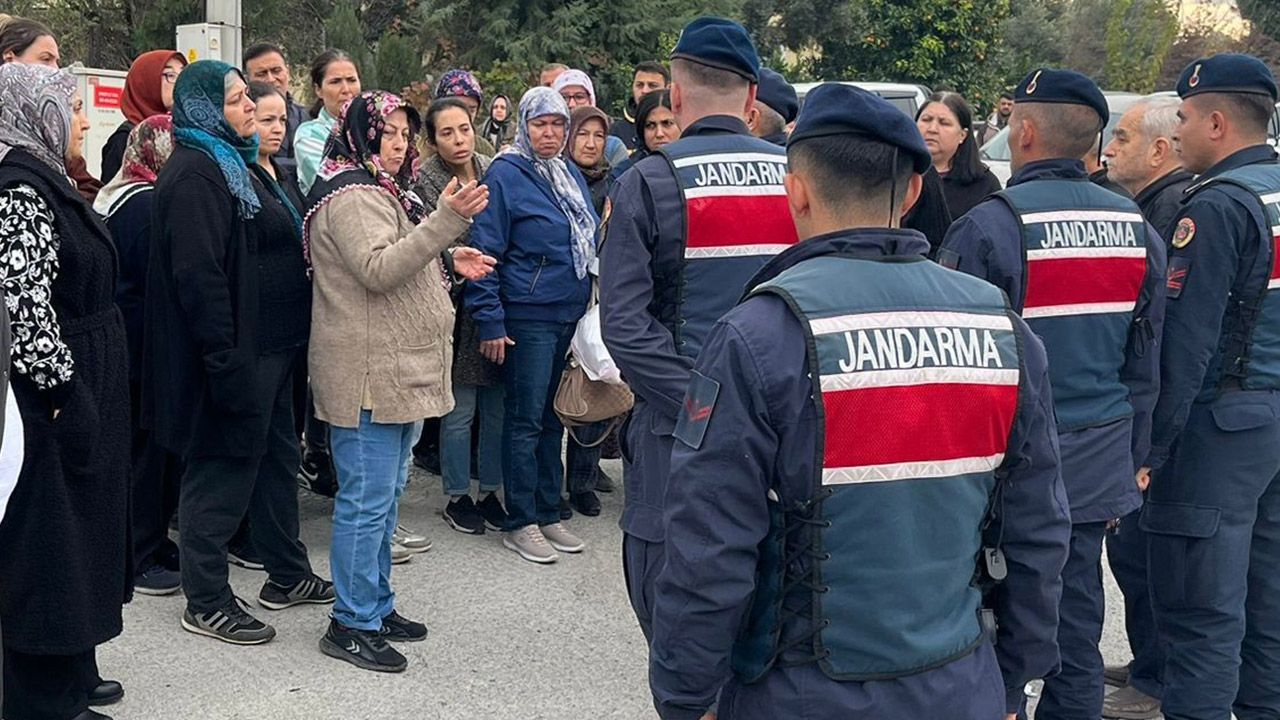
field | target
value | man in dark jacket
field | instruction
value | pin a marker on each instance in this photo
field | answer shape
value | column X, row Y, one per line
column 265, row 63
column 650, row 76
column 1143, row 159
column 776, row 108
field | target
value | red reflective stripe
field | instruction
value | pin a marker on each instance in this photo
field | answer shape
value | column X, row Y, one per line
column 739, row 220
column 1077, row 281
column 917, row 423
column 1275, row 257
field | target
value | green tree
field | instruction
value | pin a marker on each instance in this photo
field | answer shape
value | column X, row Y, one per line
column 1263, row 14
column 345, row 31
column 398, row 62
column 1139, row 35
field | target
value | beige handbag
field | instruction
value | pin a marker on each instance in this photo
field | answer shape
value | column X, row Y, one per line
column 582, row 401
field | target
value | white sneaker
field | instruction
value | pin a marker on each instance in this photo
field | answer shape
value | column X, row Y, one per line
column 400, row 554
column 530, row 543
column 411, row 541
column 561, row 539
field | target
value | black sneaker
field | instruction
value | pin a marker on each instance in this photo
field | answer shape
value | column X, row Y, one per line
column 246, row 557
column 397, row 628
column 461, row 514
column 428, row 460
column 566, row 512
column 157, row 580
column 231, row 624
column 366, row 650
column 316, row 473
column 312, row 591
column 586, row 503
column 490, row 508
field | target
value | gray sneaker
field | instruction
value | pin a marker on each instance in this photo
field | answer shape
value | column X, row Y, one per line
column 400, row 554
column 411, row 541
column 561, row 539
column 530, row 543
column 230, row 624
column 1130, row 703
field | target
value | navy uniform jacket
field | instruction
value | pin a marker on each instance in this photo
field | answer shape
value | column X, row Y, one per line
column 1201, row 277
column 1097, row 464
column 762, row 430
column 646, row 228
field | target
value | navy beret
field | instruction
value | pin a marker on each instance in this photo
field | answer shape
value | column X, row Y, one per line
column 838, row 109
column 719, row 43
column 1227, row 73
column 1067, row 87
column 777, row 93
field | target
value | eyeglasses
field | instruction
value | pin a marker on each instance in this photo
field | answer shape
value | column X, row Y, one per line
column 171, row 76
column 576, row 97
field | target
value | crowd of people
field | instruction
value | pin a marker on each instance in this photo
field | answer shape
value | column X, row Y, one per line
column 258, row 296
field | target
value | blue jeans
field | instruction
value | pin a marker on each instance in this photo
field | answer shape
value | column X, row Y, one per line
column 455, row 439
column 531, row 432
column 372, row 461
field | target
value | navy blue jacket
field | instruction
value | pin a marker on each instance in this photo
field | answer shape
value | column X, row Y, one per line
column 762, row 431
column 646, row 228
column 525, row 229
column 1098, row 463
column 1225, row 244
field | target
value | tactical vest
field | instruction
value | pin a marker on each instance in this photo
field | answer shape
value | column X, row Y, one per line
column 735, row 219
column 1251, row 330
column 916, row 373
column 1084, row 262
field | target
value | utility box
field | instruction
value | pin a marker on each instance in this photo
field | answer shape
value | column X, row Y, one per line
column 210, row 41
column 103, row 94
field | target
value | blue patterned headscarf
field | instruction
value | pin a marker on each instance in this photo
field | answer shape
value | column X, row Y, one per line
column 200, row 125
column 540, row 102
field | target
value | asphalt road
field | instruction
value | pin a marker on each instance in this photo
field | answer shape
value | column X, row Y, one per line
column 509, row 639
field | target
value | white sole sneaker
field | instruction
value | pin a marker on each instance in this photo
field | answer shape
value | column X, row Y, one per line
column 540, row 559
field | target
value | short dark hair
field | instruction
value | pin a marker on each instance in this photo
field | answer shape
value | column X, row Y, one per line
column 257, row 50
column 771, row 121
column 18, row 34
column 714, row 80
column 437, row 107
column 1066, row 131
column 1251, row 109
column 848, row 170
column 259, row 90
column 653, row 67
column 1006, row 95
column 966, row 166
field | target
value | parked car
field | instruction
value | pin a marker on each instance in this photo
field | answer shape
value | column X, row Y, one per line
column 906, row 97
column 996, row 152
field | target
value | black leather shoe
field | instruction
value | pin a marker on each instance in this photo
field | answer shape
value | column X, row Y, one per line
column 107, row 692
column 586, row 503
column 91, row 715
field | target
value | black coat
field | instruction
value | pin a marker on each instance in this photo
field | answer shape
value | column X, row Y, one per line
column 64, row 543
column 1161, row 201
column 200, row 341
column 113, row 151
column 930, row 214
column 962, row 196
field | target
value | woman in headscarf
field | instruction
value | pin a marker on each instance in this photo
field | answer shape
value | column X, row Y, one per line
column 148, row 90
column 225, row 320
column 463, row 85
column 498, row 129
column 576, row 88
column 126, row 204
column 64, row 568
column 656, row 125
column 541, row 226
column 380, row 349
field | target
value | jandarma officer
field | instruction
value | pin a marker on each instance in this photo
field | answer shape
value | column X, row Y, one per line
column 867, row 442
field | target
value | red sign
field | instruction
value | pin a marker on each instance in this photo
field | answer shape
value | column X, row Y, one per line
column 107, row 98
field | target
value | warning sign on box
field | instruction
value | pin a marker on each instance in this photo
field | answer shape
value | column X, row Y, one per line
column 107, row 98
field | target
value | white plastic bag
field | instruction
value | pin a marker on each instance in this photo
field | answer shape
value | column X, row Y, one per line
column 588, row 348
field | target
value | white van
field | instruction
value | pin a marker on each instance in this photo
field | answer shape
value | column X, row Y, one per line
column 906, row 97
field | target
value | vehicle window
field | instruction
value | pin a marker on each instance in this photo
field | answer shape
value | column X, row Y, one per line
column 997, row 148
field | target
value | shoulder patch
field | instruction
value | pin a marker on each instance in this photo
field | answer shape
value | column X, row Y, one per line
column 948, row 258
column 699, row 404
column 1179, row 269
column 1184, row 233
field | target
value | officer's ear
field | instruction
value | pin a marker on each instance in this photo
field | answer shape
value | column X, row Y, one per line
column 915, row 187
column 751, row 100
column 677, row 98
column 753, row 119
column 798, row 197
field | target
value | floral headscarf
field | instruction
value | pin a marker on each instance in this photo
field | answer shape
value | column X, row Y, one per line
column 356, row 141
column 459, row 83
column 149, row 148
column 575, row 77
column 540, row 102
column 143, row 85
column 200, row 125
column 35, row 112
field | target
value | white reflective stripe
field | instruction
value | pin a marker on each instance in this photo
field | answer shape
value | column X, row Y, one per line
column 734, row 191
column 1275, row 231
column 1271, row 198
column 1079, row 309
column 910, row 470
column 1086, row 252
column 730, row 157
column 1273, row 283
column 1081, row 216
column 733, row 251
column 920, row 376
column 920, row 318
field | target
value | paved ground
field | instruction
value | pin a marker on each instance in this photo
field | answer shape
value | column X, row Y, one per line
column 508, row 639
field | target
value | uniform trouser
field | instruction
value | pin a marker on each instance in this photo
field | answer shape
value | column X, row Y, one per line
column 156, row 475
column 1127, row 555
column 1213, row 514
column 1075, row 693
column 47, row 687
column 641, row 562
column 218, row 491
